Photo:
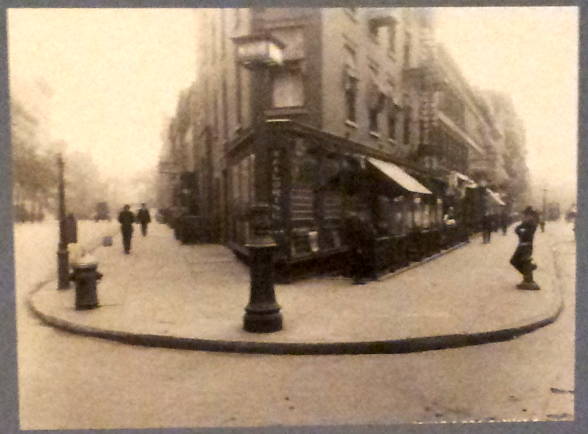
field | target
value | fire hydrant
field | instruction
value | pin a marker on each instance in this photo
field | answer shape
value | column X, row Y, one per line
column 85, row 276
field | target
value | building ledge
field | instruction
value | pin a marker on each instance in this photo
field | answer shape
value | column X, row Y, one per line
column 286, row 111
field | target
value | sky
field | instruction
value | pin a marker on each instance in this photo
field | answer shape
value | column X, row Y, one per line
column 530, row 53
column 115, row 74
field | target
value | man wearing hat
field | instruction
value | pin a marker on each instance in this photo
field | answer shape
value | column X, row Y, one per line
column 126, row 220
column 522, row 259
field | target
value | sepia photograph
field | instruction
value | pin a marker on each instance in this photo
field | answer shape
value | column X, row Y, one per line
column 293, row 216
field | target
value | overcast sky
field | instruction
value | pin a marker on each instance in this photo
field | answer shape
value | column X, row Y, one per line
column 117, row 73
column 531, row 54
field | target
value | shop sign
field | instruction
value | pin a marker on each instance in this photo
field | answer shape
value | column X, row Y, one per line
column 277, row 184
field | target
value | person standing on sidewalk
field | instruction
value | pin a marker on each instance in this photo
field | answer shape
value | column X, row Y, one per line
column 486, row 227
column 360, row 236
column 522, row 259
column 126, row 220
column 144, row 218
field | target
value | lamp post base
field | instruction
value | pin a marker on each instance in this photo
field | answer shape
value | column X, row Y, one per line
column 263, row 321
column 262, row 314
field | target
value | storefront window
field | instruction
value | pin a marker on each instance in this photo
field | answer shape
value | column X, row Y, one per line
column 305, row 165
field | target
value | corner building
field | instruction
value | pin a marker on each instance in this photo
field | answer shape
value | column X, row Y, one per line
column 351, row 119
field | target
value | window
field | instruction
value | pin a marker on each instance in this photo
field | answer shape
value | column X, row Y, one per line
column 375, row 99
column 350, row 99
column 288, row 88
column 407, row 43
column 392, row 118
column 423, row 131
column 373, row 120
column 288, row 83
column 350, row 79
column 407, row 123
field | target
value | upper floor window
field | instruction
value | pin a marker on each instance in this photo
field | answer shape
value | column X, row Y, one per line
column 452, row 105
column 392, row 115
column 406, row 133
column 288, row 88
column 288, row 82
column 407, row 48
column 376, row 99
column 350, row 84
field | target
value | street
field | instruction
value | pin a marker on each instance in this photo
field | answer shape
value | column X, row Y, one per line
column 72, row 382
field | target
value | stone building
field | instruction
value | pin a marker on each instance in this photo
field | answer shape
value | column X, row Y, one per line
column 361, row 110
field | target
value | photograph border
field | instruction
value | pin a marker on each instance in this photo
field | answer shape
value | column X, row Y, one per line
column 8, row 349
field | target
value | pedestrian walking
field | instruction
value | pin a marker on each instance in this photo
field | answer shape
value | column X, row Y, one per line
column 144, row 218
column 126, row 220
column 504, row 222
column 486, row 228
column 360, row 236
column 522, row 259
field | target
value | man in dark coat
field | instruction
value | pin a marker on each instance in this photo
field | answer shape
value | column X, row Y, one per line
column 504, row 221
column 126, row 220
column 360, row 236
column 144, row 218
column 486, row 227
column 522, row 259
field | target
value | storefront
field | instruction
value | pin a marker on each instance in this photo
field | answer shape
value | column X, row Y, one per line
column 315, row 179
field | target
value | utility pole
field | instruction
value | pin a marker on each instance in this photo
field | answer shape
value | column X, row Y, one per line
column 62, row 253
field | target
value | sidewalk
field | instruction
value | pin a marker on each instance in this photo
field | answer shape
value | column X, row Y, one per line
column 169, row 295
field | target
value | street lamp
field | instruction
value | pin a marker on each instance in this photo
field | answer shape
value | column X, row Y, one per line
column 62, row 252
column 259, row 52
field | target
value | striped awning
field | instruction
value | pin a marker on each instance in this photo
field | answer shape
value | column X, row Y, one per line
column 399, row 176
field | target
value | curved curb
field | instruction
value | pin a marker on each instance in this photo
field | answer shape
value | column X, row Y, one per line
column 395, row 346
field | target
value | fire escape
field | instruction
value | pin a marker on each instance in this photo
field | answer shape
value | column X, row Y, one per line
column 428, row 151
column 425, row 79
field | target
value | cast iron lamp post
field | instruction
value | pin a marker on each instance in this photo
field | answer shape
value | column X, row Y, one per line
column 62, row 252
column 262, row 315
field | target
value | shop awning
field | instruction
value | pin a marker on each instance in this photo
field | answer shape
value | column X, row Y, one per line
column 399, row 176
column 496, row 197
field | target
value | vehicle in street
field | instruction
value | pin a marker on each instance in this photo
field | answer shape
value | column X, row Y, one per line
column 102, row 212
